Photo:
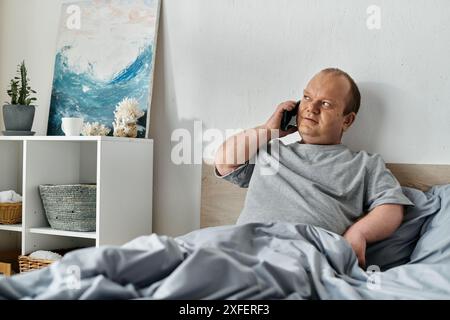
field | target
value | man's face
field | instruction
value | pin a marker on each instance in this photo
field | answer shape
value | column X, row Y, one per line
column 321, row 117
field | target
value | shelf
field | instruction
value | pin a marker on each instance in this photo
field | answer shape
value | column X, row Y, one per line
column 74, row 138
column 29, row 161
column 63, row 233
column 11, row 227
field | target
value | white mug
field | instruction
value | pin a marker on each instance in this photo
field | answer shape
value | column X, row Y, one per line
column 72, row 126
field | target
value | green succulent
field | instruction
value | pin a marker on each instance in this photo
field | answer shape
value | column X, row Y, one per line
column 20, row 91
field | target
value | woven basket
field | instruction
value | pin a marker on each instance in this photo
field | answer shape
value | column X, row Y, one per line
column 29, row 264
column 10, row 213
column 70, row 207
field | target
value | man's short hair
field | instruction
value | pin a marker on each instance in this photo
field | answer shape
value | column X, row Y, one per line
column 355, row 96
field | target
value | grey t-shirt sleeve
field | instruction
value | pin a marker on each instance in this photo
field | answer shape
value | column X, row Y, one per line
column 240, row 176
column 382, row 187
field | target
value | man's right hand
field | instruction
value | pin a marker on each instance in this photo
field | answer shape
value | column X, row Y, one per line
column 274, row 121
column 242, row 146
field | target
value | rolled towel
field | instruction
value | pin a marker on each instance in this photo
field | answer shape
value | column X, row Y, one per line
column 6, row 196
column 16, row 197
column 10, row 196
column 45, row 255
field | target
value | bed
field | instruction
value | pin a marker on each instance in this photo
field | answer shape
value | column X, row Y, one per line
column 262, row 261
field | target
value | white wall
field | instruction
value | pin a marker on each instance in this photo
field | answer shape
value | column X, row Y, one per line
column 28, row 31
column 229, row 63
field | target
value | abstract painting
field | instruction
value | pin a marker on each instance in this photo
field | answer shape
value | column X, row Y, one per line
column 105, row 53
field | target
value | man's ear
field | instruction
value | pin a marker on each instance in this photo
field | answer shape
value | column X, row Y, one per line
column 348, row 120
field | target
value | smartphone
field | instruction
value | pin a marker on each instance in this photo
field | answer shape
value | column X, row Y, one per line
column 289, row 118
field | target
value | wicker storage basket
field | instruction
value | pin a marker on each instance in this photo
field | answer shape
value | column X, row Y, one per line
column 70, row 207
column 10, row 213
column 29, row 264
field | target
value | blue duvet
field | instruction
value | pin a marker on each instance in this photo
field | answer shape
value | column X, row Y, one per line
column 258, row 261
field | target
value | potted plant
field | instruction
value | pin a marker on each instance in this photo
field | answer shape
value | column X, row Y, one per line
column 18, row 116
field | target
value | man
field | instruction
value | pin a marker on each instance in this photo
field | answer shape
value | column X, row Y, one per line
column 317, row 181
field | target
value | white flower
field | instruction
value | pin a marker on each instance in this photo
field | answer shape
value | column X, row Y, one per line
column 127, row 111
column 126, row 116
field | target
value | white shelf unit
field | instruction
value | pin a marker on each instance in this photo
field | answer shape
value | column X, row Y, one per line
column 122, row 168
column 11, row 227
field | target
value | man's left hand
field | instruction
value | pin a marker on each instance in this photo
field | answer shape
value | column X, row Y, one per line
column 358, row 243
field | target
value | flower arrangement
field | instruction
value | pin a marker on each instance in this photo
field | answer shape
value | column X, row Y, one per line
column 126, row 116
column 94, row 129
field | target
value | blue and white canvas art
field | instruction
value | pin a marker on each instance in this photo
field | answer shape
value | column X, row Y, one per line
column 105, row 53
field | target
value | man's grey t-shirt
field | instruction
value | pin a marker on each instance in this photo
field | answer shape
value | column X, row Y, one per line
column 328, row 186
